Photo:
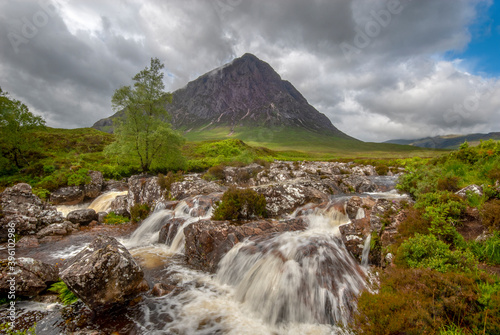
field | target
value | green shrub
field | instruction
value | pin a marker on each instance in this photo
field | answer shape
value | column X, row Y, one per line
column 426, row 251
column 382, row 170
column 215, row 173
column 41, row 192
column 115, row 219
column 239, row 204
column 490, row 213
column 6, row 329
column 139, row 212
column 65, row 295
column 487, row 251
column 165, row 182
column 79, row 177
column 494, row 174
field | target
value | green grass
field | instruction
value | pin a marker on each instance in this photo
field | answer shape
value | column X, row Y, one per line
column 65, row 295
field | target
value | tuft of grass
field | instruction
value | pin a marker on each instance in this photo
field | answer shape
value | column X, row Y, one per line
column 65, row 295
column 115, row 219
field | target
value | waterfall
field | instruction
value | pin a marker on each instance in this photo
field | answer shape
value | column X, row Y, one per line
column 147, row 233
column 103, row 202
column 366, row 251
column 297, row 277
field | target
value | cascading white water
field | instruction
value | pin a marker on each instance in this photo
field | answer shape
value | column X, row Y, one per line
column 103, row 202
column 366, row 251
column 298, row 277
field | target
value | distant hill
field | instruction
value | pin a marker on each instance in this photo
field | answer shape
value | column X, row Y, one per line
column 447, row 141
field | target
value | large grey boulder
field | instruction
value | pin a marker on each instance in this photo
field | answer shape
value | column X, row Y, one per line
column 24, row 212
column 189, row 188
column 119, row 206
column 58, row 229
column 94, row 187
column 82, row 216
column 144, row 190
column 104, row 274
column 30, row 276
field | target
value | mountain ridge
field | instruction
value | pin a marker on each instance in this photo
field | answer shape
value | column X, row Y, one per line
column 446, row 141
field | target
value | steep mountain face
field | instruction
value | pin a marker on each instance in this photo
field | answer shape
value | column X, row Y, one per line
column 245, row 93
column 447, row 141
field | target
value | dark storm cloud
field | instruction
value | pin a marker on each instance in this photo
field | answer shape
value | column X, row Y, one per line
column 396, row 84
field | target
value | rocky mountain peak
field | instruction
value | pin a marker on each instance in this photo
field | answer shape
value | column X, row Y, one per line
column 242, row 94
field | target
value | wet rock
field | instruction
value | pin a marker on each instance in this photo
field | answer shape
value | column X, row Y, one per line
column 471, row 189
column 285, row 198
column 23, row 212
column 169, row 230
column 358, row 184
column 104, row 274
column 31, row 276
column 82, row 216
column 114, row 185
column 198, row 206
column 58, row 229
column 119, row 206
column 144, row 190
column 167, row 204
column 28, row 242
column 208, row 241
column 190, row 188
column 94, row 187
column 101, row 216
column 242, row 175
column 161, row 289
column 70, row 195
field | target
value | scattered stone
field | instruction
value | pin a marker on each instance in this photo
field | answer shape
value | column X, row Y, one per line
column 82, row 216
column 31, row 276
column 101, row 216
column 104, row 274
column 161, row 289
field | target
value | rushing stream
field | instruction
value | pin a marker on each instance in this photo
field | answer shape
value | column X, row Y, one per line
column 303, row 282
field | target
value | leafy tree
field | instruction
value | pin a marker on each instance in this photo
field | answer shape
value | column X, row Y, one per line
column 142, row 135
column 15, row 123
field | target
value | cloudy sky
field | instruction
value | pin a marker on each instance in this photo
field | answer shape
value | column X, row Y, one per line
column 379, row 69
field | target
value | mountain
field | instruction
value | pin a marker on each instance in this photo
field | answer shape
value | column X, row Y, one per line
column 447, row 141
column 245, row 99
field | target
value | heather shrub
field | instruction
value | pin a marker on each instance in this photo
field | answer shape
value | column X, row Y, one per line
column 139, row 212
column 215, row 173
column 448, row 184
column 490, row 213
column 418, row 301
column 239, row 204
column 382, row 170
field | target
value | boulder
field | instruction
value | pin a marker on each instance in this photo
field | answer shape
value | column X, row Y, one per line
column 358, row 184
column 104, row 274
column 58, row 229
column 169, row 230
column 285, row 198
column 471, row 189
column 31, row 276
column 94, row 187
column 114, row 185
column 82, row 216
column 190, row 188
column 70, row 195
column 24, row 212
column 119, row 206
column 144, row 189
column 208, row 241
